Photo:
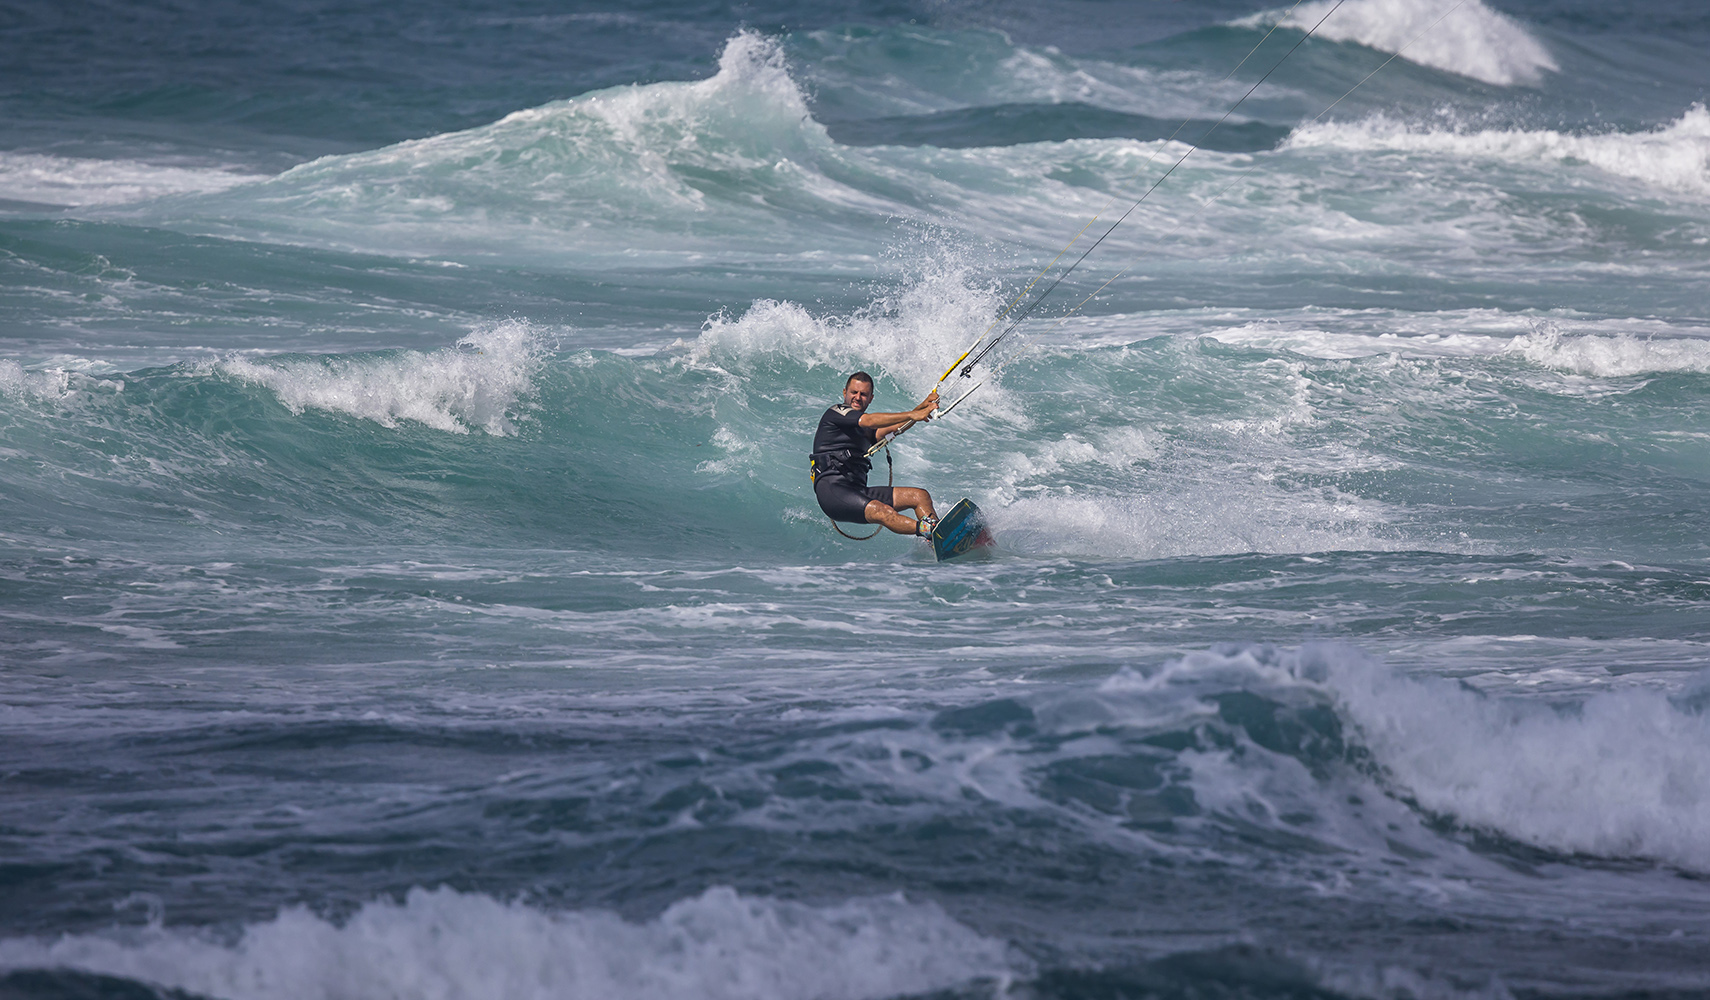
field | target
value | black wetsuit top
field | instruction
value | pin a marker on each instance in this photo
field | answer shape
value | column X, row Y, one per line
column 840, row 446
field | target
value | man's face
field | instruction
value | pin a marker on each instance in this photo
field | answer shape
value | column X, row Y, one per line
column 857, row 394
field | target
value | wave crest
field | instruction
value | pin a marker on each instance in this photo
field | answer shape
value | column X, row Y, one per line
column 16, row 380
column 1674, row 157
column 645, row 163
column 1621, row 775
column 908, row 335
column 478, row 384
column 1472, row 40
column 1618, row 774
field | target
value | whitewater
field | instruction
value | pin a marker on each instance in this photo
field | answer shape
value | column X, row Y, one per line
column 411, row 586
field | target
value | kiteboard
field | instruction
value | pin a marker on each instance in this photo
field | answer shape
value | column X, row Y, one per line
column 962, row 531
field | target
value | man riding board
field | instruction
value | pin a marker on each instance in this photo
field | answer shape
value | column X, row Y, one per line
column 846, row 433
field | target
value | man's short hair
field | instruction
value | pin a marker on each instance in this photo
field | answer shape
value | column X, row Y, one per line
column 858, row 377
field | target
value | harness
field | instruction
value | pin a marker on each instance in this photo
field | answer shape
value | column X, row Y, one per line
column 842, row 462
column 837, row 463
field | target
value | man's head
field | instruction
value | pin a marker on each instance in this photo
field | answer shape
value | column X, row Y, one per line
column 858, row 391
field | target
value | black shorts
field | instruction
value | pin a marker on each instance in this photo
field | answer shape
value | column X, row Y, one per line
column 845, row 501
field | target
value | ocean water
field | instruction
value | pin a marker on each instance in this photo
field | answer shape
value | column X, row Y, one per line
column 410, row 585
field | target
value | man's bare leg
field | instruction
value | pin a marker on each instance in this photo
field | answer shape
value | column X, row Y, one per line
column 917, row 500
column 907, row 498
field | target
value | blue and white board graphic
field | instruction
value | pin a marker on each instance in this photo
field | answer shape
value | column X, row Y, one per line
column 961, row 531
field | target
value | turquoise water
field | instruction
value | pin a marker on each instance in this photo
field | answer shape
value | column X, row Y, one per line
column 411, row 584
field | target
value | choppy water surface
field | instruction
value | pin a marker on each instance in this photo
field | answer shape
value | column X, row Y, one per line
column 412, row 588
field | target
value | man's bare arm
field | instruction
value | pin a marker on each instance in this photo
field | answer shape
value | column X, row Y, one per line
column 885, row 421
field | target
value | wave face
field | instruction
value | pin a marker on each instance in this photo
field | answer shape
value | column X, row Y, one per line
column 410, row 584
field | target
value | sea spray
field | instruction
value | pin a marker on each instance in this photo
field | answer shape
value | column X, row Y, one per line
column 909, row 334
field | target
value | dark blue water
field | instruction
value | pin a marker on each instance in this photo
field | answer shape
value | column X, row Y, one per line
column 410, row 585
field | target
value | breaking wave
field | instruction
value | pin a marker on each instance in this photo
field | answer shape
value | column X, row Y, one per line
column 447, row 944
column 1471, row 40
column 1619, row 774
column 476, row 385
column 906, row 333
column 737, row 153
column 1612, row 356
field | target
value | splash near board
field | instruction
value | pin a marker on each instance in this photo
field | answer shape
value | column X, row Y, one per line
column 962, row 531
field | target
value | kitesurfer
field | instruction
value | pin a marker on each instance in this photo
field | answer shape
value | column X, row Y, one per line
column 840, row 465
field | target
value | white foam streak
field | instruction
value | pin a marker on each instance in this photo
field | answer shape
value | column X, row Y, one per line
column 479, row 384
column 1340, row 345
column 76, row 182
column 451, row 946
column 1487, row 334
column 1472, row 40
column 1675, row 157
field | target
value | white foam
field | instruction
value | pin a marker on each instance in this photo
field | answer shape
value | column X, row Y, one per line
column 1611, row 356
column 1117, row 448
column 1472, row 40
column 478, row 384
column 76, row 182
column 452, row 945
column 1674, row 157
